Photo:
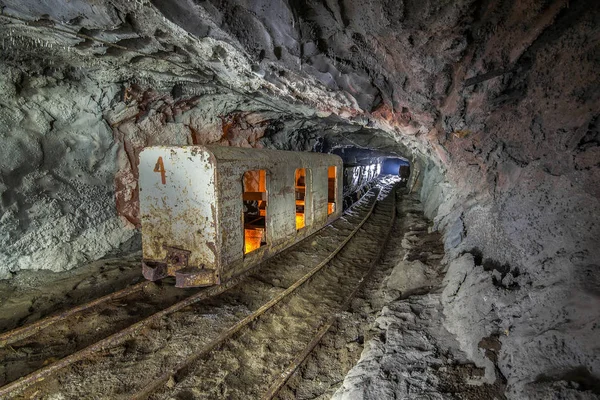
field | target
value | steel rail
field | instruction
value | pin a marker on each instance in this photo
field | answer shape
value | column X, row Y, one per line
column 185, row 364
column 287, row 373
column 28, row 330
column 115, row 339
column 14, row 388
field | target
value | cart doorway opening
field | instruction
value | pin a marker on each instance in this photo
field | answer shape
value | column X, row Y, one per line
column 255, row 209
column 300, row 198
column 331, row 189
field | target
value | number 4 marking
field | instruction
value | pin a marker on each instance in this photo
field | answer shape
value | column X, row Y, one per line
column 160, row 167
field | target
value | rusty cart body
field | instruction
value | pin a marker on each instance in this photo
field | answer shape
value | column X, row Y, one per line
column 209, row 213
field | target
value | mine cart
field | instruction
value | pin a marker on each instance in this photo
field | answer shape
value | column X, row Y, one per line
column 210, row 213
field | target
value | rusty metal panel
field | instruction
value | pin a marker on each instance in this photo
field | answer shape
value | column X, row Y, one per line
column 178, row 207
column 339, row 199
column 279, row 202
column 194, row 277
column 281, row 227
column 282, row 221
column 319, row 194
column 230, row 189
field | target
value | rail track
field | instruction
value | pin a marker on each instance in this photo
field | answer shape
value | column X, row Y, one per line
column 202, row 375
column 36, row 349
column 23, row 332
column 301, row 356
column 51, row 375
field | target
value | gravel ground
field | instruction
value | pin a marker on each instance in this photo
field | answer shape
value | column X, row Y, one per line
column 391, row 343
column 121, row 370
column 409, row 353
column 32, row 295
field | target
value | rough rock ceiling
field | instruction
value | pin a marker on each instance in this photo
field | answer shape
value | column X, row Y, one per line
column 196, row 47
column 439, row 70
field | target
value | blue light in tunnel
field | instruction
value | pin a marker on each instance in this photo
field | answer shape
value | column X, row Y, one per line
column 391, row 166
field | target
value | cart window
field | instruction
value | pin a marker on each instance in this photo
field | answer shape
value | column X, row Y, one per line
column 331, row 189
column 300, row 197
column 255, row 209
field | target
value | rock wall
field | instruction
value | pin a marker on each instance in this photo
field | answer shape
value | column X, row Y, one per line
column 58, row 161
column 520, row 210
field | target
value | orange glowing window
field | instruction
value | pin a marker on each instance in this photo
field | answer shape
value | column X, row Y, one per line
column 331, row 189
column 252, row 239
column 299, row 220
column 255, row 209
column 300, row 197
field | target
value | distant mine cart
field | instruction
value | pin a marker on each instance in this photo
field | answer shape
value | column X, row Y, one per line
column 210, row 213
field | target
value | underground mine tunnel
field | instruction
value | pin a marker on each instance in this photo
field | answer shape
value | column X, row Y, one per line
column 299, row 199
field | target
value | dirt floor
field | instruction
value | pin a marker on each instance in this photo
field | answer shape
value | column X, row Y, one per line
column 377, row 349
column 324, row 370
column 31, row 295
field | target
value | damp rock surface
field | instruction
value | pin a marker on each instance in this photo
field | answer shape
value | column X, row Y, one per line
column 58, row 162
column 409, row 353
